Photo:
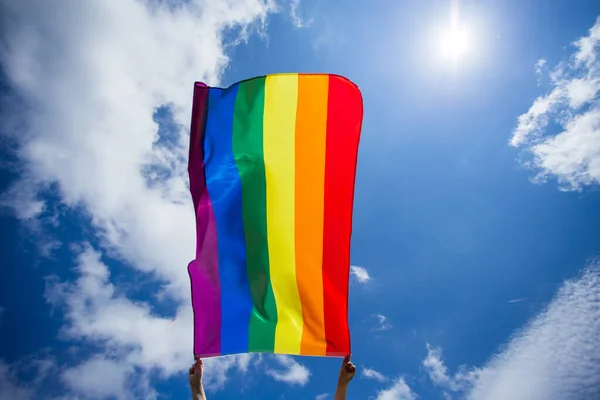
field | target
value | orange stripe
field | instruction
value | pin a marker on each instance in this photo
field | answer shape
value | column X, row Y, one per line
column 311, row 126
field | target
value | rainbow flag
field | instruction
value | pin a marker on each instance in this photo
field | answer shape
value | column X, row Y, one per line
column 272, row 166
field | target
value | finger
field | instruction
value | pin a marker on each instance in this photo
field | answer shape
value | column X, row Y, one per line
column 192, row 371
column 347, row 359
column 196, row 358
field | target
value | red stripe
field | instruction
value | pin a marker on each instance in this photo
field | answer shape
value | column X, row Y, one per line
column 344, row 120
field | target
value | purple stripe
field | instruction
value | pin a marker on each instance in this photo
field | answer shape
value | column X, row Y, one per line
column 204, row 270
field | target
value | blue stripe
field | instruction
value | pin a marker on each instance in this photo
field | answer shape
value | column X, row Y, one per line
column 225, row 191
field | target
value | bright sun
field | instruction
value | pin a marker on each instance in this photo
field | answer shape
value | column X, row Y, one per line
column 455, row 43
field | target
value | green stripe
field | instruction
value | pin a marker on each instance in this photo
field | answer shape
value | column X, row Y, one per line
column 249, row 157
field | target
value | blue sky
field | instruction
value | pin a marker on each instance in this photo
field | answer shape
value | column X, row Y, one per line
column 476, row 219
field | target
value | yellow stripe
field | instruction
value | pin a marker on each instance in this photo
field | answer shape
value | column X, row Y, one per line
column 279, row 125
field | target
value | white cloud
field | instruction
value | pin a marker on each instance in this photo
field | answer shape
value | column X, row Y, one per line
column 91, row 76
column 573, row 156
column 398, row 391
column 587, row 47
column 322, row 396
column 96, row 313
column 360, row 273
column 435, row 367
column 35, row 371
column 22, row 200
column 556, row 356
column 99, row 378
column 438, row 373
column 295, row 15
column 47, row 248
column 11, row 387
column 292, row 372
column 382, row 323
column 217, row 369
column 561, row 129
column 373, row 374
column 85, row 80
column 539, row 68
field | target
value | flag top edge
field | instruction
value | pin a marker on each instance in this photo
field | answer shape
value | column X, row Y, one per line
column 204, row 85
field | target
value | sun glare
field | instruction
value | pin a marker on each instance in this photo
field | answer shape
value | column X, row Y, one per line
column 455, row 43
